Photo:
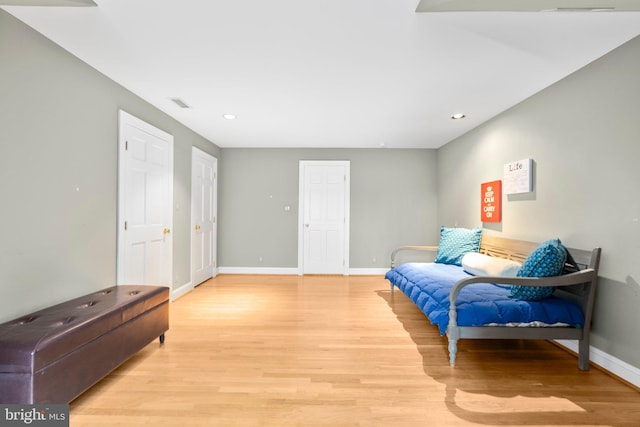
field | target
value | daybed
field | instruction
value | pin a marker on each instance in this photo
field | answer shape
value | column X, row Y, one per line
column 55, row 354
column 481, row 306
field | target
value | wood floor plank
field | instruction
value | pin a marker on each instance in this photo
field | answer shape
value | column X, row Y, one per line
column 340, row 351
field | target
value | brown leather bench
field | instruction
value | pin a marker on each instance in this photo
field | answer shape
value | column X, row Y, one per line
column 55, row 354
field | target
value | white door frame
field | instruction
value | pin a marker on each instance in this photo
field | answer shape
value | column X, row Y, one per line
column 214, row 161
column 347, row 209
column 125, row 118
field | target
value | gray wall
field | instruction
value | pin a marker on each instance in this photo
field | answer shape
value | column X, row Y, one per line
column 393, row 202
column 59, row 132
column 583, row 134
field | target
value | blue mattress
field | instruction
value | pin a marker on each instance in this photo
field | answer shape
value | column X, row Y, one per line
column 428, row 285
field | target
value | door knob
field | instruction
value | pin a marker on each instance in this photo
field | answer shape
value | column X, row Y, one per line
column 306, row 225
column 197, row 227
column 166, row 231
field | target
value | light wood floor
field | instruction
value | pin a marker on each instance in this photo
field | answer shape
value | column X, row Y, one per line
column 340, row 351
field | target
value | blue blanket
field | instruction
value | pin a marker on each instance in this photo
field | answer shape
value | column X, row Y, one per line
column 428, row 285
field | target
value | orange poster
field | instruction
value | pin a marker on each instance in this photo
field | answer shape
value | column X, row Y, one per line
column 490, row 201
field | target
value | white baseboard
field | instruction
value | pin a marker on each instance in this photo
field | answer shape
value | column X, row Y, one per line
column 182, row 290
column 368, row 271
column 622, row 369
column 257, row 270
column 294, row 271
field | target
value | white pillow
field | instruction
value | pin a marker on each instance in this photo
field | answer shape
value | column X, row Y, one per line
column 485, row 265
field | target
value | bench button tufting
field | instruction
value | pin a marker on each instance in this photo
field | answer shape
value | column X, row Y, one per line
column 25, row 320
column 64, row 321
column 88, row 304
column 132, row 293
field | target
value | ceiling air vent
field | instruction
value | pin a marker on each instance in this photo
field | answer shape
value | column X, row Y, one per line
column 528, row 6
column 180, row 103
column 581, row 9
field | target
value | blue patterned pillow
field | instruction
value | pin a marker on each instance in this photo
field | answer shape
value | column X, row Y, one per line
column 455, row 242
column 546, row 260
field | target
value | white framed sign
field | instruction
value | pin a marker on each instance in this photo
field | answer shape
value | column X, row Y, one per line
column 517, row 177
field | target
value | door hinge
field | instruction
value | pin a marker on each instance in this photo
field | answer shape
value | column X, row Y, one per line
column 126, row 145
column 125, row 226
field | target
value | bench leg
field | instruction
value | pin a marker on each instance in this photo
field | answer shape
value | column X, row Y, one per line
column 161, row 339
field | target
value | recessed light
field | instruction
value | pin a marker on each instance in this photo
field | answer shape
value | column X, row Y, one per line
column 458, row 116
column 229, row 116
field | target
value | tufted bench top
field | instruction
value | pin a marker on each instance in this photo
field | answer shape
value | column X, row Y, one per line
column 32, row 342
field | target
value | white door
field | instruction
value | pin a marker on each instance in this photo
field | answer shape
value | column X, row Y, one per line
column 145, row 199
column 323, row 237
column 204, row 175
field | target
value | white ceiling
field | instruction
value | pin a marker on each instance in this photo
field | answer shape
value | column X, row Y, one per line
column 330, row 73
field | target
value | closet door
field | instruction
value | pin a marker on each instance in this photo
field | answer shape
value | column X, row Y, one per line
column 204, row 176
column 324, row 217
column 145, row 198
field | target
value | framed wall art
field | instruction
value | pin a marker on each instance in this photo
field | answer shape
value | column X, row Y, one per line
column 491, row 201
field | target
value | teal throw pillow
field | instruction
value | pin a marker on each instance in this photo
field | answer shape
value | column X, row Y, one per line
column 548, row 259
column 455, row 242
